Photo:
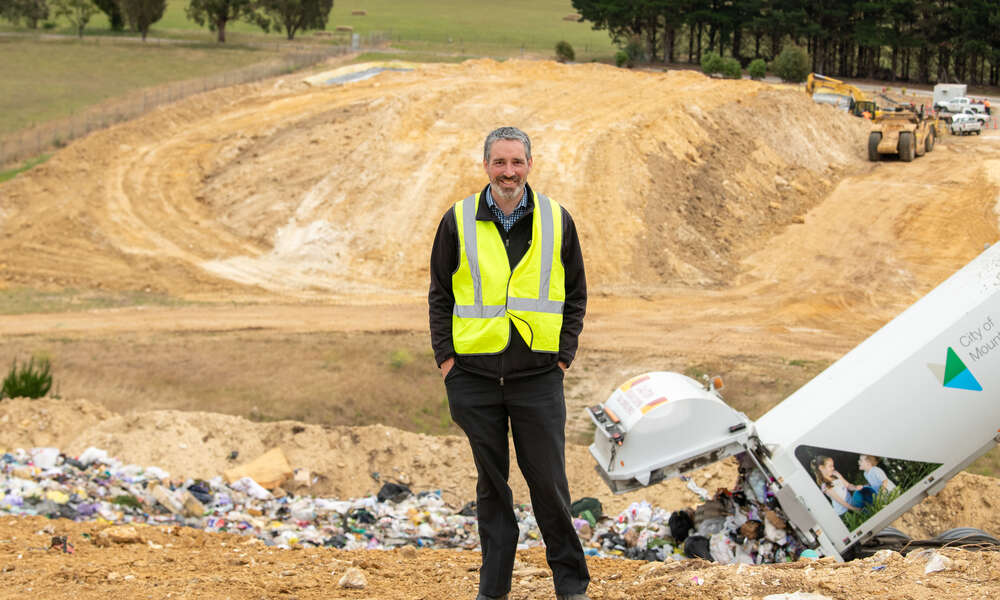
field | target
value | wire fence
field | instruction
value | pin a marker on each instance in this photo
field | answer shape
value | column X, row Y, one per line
column 33, row 141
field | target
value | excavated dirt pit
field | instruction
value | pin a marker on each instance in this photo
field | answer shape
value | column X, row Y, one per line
column 724, row 223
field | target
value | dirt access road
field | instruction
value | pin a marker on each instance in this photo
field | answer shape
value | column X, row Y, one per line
column 730, row 225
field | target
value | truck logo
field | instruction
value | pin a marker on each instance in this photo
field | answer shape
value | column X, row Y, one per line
column 954, row 374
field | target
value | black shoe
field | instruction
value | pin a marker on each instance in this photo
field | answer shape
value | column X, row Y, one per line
column 572, row 597
column 485, row 597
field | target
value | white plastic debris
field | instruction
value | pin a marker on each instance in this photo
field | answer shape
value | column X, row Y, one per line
column 92, row 455
column 251, row 488
column 699, row 491
column 937, row 562
column 45, row 458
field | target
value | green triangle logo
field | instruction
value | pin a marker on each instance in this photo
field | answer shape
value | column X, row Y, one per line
column 953, row 366
column 956, row 374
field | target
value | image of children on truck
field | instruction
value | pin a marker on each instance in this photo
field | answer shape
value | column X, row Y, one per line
column 836, row 487
column 877, row 480
column 860, row 484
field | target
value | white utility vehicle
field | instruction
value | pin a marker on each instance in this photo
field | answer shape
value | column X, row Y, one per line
column 981, row 117
column 957, row 105
column 921, row 397
column 964, row 124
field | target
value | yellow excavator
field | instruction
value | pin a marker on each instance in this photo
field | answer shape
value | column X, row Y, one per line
column 827, row 90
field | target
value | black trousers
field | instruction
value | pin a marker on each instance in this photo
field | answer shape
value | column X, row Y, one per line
column 535, row 409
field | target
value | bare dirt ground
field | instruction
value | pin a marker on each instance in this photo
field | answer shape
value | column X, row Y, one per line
column 727, row 226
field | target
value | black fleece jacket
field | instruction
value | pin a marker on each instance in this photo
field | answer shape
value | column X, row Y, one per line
column 517, row 360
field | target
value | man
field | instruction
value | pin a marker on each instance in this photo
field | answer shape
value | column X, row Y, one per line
column 507, row 299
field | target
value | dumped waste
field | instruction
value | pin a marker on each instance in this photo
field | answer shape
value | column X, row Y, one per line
column 738, row 525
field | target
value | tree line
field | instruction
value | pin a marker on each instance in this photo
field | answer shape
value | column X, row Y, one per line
column 290, row 16
column 924, row 41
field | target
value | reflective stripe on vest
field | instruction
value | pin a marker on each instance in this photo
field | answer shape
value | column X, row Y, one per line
column 532, row 295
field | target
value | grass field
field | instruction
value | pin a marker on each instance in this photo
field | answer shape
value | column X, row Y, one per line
column 474, row 27
column 46, row 80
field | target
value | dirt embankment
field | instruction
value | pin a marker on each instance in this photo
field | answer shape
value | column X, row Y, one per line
column 672, row 177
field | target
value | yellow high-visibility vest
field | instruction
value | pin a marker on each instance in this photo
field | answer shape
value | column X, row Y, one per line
column 488, row 296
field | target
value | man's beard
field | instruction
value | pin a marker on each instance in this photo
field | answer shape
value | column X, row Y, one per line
column 513, row 195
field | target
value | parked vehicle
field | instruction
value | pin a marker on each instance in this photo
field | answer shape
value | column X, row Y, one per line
column 981, row 117
column 964, row 124
column 957, row 105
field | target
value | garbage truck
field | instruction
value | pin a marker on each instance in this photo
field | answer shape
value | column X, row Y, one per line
column 919, row 400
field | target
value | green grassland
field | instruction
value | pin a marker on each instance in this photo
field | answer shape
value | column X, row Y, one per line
column 482, row 28
column 46, row 79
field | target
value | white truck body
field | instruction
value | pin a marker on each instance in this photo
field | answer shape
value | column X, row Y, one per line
column 922, row 395
column 943, row 92
column 957, row 105
column 981, row 117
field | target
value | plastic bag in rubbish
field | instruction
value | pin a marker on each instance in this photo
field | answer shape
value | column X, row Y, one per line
column 758, row 485
column 92, row 455
column 587, row 504
column 395, row 492
column 696, row 546
column 638, row 512
column 699, row 491
column 772, row 533
column 721, row 548
column 680, row 524
column 251, row 488
column 45, row 458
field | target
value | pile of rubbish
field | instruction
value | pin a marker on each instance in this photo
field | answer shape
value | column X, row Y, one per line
column 739, row 525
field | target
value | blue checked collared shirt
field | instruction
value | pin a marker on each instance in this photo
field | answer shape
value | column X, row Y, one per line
column 519, row 211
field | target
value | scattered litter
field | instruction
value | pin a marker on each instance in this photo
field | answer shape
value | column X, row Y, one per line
column 694, row 487
column 937, row 562
column 60, row 542
column 731, row 526
column 798, row 596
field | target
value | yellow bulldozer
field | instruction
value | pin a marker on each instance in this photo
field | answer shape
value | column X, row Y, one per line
column 904, row 132
column 827, row 90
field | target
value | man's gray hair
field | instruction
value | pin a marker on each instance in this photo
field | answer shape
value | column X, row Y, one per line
column 507, row 133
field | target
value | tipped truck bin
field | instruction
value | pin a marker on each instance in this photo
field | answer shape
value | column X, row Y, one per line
column 648, row 409
column 919, row 400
